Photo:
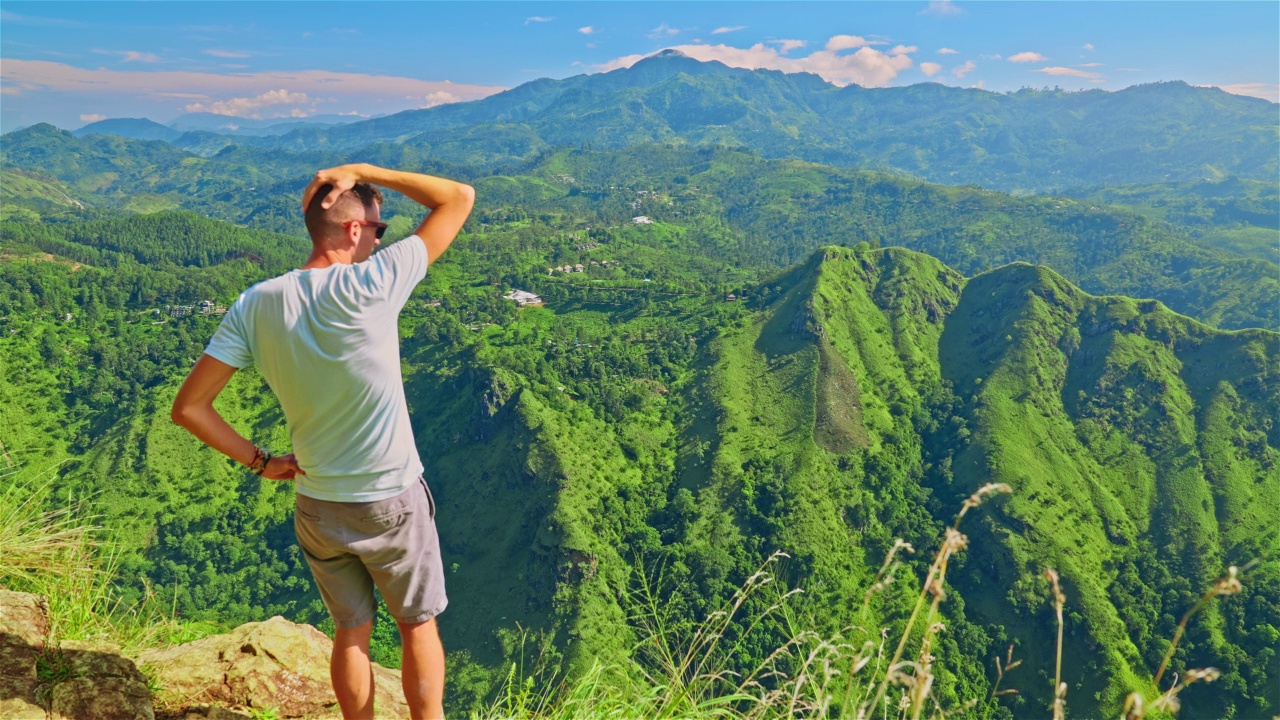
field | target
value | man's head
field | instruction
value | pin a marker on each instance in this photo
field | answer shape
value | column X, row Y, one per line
column 348, row 221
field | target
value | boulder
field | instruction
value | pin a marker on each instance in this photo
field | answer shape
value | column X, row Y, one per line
column 101, row 698
column 26, row 616
column 80, row 680
column 18, row 699
column 276, row 665
column 24, row 630
column 102, row 685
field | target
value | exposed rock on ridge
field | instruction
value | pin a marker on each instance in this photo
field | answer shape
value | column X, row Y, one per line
column 273, row 665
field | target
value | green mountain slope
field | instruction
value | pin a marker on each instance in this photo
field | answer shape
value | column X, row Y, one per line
column 851, row 401
column 1242, row 216
column 739, row 208
column 1037, row 140
column 782, row 210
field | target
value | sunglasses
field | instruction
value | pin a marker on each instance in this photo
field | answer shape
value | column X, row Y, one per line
column 378, row 233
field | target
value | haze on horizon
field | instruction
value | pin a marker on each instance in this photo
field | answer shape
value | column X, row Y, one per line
column 75, row 63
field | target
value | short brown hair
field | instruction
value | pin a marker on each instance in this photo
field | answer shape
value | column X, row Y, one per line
column 322, row 223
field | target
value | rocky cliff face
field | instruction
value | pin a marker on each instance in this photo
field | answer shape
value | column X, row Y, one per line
column 274, row 666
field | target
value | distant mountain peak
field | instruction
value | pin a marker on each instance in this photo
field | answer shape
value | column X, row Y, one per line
column 671, row 53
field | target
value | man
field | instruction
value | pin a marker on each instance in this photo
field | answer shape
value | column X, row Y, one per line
column 325, row 337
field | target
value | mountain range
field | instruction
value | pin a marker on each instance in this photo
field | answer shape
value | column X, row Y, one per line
column 820, row 358
column 1030, row 140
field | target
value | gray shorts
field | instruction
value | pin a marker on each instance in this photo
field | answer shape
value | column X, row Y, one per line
column 392, row 543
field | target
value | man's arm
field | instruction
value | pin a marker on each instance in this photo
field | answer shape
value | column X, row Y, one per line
column 449, row 202
column 193, row 409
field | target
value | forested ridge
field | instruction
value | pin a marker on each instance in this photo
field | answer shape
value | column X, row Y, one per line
column 788, row 356
column 1035, row 139
column 835, row 408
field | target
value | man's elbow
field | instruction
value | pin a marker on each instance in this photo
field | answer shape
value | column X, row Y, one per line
column 181, row 414
column 466, row 195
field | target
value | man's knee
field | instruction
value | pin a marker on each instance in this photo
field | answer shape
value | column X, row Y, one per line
column 427, row 626
column 353, row 635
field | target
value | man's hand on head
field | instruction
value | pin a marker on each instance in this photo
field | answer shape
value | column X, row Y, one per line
column 342, row 178
column 282, row 467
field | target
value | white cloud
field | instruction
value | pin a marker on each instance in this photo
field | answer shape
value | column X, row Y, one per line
column 1027, row 57
column 962, row 70
column 440, row 97
column 1072, row 72
column 786, row 46
column 587, row 30
column 1087, row 46
column 250, row 107
column 326, row 91
column 846, row 42
column 930, row 68
column 593, row 45
column 903, row 49
column 663, row 31
column 867, row 67
column 1089, row 65
column 227, row 53
column 947, row 51
column 625, row 61
column 942, row 7
column 537, row 19
column 1266, row 91
column 131, row 55
column 92, row 118
column 723, row 30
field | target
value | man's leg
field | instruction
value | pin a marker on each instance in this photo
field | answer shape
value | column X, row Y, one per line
column 422, row 669
column 351, row 672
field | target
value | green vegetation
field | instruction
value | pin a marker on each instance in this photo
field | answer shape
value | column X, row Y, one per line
column 788, row 356
column 838, row 408
column 1240, row 216
column 1032, row 140
column 728, row 206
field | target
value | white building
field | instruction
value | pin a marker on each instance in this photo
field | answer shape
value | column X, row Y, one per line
column 523, row 298
column 641, row 220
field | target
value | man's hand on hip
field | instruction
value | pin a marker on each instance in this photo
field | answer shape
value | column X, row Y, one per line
column 283, row 467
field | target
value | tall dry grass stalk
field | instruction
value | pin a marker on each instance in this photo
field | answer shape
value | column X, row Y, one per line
column 1135, row 705
column 920, row 680
column 1059, row 687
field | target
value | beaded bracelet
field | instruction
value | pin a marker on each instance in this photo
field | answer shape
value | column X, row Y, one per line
column 261, row 456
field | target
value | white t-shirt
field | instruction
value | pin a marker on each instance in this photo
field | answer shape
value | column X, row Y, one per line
column 327, row 341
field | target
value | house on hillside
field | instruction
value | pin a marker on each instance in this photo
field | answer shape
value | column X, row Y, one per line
column 641, row 220
column 523, row 298
column 577, row 268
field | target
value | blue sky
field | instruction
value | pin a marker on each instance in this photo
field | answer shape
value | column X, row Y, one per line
column 70, row 63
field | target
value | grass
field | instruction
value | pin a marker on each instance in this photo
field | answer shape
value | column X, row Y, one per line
column 68, row 559
column 684, row 672
column 673, row 671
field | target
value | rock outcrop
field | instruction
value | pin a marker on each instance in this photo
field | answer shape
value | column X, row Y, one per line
column 69, row 681
column 274, row 667
column 274, row 664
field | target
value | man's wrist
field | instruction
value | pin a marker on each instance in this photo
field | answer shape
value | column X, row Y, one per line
column 258, row 464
